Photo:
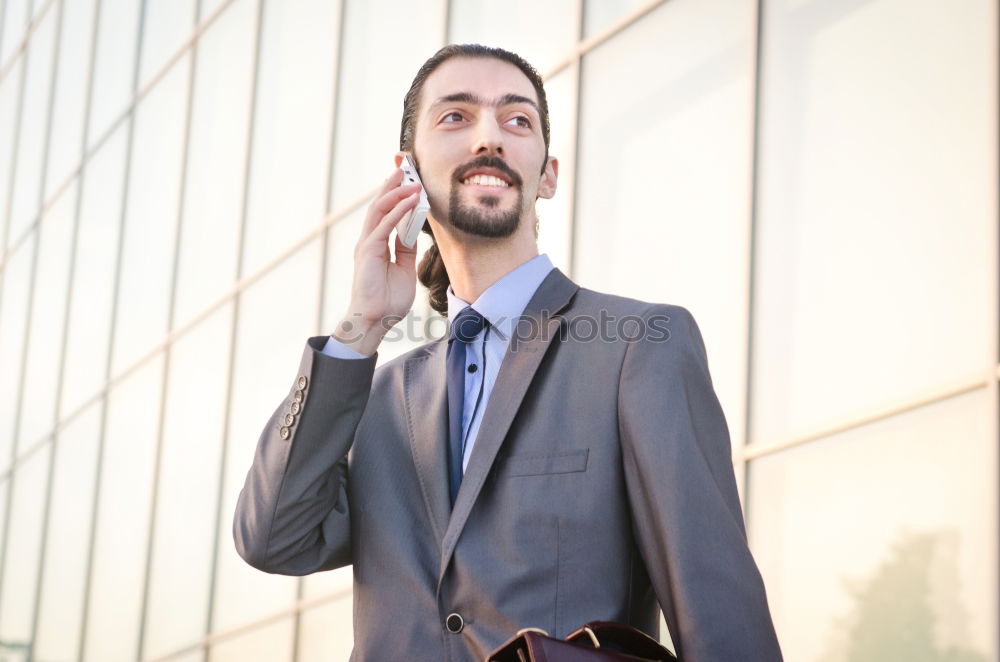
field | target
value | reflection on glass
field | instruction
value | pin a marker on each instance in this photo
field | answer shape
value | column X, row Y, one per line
column 291, row 143
column 664, row 174
column 367, row 135
column 123, row 510
column 166, row 26
column 869, row 538
column 48, row 310
column 118, row 28
column 540, row 32
column 276, row 315
column 31, row 132
column 72, row 72
column 92, row 288
column 325, row 633
column 184, row 525
column 876, row 205
column 216, row 158
column 14, row 295
column 24, row 541
column 149, row 233
column 271, row 642
column 65, row 564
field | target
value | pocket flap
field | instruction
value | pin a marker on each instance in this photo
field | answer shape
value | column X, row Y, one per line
column 538, row 465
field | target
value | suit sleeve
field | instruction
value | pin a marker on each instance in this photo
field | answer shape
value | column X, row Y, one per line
column 685, row 506
column 293, row 516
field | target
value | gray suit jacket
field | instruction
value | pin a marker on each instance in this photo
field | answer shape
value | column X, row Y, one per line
column 600, row 484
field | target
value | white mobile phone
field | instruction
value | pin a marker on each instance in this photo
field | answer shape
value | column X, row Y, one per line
column 409, row 228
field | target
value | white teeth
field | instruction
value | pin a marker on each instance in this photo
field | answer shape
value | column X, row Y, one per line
column 486, row 180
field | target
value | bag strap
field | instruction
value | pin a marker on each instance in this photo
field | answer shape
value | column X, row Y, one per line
column 624, row 638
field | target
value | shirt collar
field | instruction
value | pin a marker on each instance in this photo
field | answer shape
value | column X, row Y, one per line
column 504, row 301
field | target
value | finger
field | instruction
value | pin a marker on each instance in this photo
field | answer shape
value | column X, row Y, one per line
column 386, row 199
column 380, row 235
column 406, row 257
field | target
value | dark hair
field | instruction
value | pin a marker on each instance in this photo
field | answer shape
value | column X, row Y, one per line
column 431, row 271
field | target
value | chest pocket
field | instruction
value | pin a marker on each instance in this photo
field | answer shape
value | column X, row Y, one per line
column 542, row 465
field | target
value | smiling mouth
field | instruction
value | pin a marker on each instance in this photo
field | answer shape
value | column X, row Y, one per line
column 485, row 180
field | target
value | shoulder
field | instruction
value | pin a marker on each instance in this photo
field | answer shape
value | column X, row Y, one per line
column 600, row 305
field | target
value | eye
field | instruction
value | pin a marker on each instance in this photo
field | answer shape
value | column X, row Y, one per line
column 452, row 117
column 520, row 121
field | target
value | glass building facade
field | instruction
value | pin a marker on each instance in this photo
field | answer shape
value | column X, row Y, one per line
column 182, row 183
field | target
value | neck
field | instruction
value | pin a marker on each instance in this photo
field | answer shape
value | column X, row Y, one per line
column 474, row 263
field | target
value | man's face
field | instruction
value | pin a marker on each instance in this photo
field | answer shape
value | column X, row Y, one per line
column 479, row 146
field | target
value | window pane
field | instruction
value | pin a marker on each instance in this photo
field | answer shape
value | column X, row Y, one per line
column 601, row 14
column 65, row 564
column 48, row 311
column 217, row 151
column 115, row 600
column 115, row 63
column 326, row 633
column 166, row 26
column 15, row 24
column 16, row 283
column 368, row 118
column 93, row 275
column 276, row 315
column 881, row 542
column 877, row 205
column 24, row 541
column 185, row 524
column 31, row 132
column 10, row 91
column 75, row 41
column 291, row 145
column 271, row 642
column 540, row 32
column 151, row 220
column 554, row 216
column 664, row 174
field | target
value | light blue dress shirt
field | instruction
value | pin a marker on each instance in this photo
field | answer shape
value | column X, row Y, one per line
column 501, row 304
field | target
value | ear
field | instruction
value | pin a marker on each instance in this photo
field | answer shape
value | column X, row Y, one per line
column 399, row 158
column 547, row 187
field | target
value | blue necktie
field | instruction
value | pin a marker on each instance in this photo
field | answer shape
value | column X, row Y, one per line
column 464, row 328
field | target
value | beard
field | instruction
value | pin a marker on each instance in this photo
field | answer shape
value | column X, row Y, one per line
column 485, row 219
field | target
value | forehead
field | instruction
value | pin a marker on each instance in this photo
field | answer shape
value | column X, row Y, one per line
column 485, row 77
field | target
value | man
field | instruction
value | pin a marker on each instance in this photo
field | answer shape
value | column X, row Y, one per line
column 521, row 471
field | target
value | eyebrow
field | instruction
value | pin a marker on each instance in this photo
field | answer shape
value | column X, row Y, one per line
column 508, row 99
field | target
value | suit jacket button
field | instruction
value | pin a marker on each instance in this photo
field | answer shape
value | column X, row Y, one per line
column 294, row 408
column 298, row 395
column 284, row 432
column 454, row 623
column 302, row 382
column 289, row 419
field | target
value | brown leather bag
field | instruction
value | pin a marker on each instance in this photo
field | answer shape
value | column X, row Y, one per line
column 597, row 641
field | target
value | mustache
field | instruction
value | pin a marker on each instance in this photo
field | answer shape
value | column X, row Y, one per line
column 486, row 161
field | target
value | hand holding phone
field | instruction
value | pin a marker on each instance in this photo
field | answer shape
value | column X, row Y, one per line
column 409, row 228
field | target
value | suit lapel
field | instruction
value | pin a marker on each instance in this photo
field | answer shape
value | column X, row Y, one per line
column 426, row 397
column 540, row 325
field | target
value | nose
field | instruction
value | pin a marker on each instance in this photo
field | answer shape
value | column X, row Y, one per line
column 489, row 138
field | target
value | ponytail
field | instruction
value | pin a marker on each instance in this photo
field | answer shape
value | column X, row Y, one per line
column 434, row 276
